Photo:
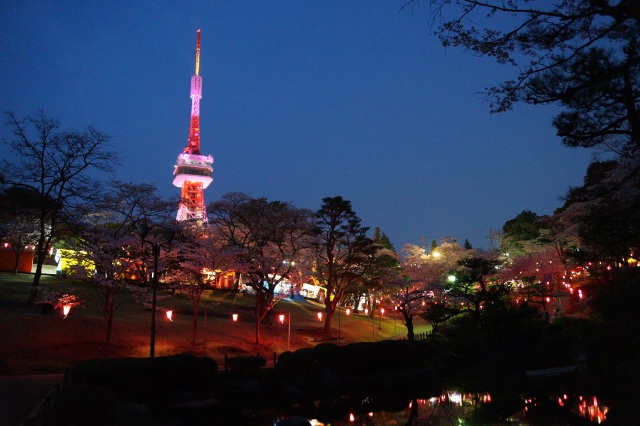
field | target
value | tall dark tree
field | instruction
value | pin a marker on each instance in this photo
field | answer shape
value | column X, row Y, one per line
column 472, row 286
column 583, row 55
column 343, row 252
column 59, row 166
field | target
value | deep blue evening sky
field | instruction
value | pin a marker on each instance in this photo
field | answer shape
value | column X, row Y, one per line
column 301, row 100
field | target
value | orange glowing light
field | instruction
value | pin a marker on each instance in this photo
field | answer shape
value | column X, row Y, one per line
column 381, row 311
column 169, row 315
column 352, row 417
column 66, row 309
column 347, row 311
column 319, row 316
column 235, row 317
column 281, row 317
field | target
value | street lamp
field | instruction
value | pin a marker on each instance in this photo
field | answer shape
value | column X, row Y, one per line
column 347, row 311
column 289, row 333
column 143, row 230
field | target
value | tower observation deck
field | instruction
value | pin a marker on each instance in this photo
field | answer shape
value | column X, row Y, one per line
column 193, row 170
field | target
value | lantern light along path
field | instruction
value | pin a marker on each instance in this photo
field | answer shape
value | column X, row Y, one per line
column 281, row 316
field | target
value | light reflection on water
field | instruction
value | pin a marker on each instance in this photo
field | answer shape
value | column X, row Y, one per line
column 456, row 408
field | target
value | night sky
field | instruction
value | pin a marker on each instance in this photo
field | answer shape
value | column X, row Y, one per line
column 301, row 100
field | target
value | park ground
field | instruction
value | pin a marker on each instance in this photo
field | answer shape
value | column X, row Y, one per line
column 42, row 343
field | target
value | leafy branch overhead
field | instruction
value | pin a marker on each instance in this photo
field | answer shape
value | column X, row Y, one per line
column 581, row 55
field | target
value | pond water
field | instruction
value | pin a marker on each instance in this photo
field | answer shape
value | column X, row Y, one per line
column 453, row 407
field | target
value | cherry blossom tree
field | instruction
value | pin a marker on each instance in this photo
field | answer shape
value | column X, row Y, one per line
column 425, row 277
column 107, row 249
column 269, row 236
column 200, row 252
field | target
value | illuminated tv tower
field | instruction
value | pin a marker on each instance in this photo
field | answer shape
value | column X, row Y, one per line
column 193, row 170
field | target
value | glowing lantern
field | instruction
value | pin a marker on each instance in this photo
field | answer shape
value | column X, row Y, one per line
column 281, row 316
column 169, row 315
column 65, row 310
column 319, row 316
column 352, row 417
column 347, row 311
column 381, row 311
column 235, row 317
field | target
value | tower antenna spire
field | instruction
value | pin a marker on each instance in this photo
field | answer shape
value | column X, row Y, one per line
column 198, row 54
column 193, row 170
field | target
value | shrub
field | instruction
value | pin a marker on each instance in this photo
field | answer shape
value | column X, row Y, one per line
column 146, row 379
column 246, row 364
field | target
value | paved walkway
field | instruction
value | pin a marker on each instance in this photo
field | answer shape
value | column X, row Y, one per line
column 19, row 395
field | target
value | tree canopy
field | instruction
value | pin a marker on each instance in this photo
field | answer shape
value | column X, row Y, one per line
column 582, row 55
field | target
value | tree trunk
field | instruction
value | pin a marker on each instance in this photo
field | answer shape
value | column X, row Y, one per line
column 258, row 308
column 107, row 333
column 409, row 321
column 108, row 316
column 15, row 266
column 194, row 322
column 35, row 284
column 326, row 331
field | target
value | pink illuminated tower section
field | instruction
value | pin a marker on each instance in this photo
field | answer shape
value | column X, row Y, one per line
column 193, row 170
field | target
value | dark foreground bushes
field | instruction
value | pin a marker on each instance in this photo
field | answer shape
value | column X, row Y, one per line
column 147, row 379
column 185, row 389
column 358, row 358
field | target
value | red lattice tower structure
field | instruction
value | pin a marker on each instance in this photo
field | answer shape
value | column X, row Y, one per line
column 193, row 170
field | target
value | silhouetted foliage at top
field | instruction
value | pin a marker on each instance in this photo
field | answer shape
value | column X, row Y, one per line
column 583, row 55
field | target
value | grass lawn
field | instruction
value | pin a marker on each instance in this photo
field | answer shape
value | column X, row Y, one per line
column 34, row 343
